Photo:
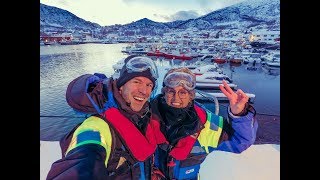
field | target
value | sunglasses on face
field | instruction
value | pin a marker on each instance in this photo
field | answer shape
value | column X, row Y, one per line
column 182, row 93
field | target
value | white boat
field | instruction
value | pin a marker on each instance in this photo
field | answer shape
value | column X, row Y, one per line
column 272, row 59
column 194, row 65
column 272, row 55
column 251, row 58
column 213, row 78
column 207, row 68
column 274, row 71
column 273, row 63
column 117, row 67
column 207, row 56
column 51, row 43
column 200, row 85
column 134, row 49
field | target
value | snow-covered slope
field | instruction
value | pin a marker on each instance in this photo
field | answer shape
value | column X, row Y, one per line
column 56, row 18
column 241, row 15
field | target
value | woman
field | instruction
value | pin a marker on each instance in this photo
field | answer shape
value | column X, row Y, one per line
column 190, row 132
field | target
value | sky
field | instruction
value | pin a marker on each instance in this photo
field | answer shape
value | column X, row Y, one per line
column 110, row 12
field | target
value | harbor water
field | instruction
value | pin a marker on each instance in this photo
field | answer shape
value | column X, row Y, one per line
column 59, row 65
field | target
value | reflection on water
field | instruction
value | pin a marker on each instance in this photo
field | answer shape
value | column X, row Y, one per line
column 59, row 65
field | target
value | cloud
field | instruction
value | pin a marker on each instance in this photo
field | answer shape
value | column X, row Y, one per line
column 107, row 12
column 202, row 3
column 63, row 3
column 180, row 15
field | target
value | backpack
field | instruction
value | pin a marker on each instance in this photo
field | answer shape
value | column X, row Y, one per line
column 86, row 93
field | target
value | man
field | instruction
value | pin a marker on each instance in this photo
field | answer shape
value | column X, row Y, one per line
column 117, row 141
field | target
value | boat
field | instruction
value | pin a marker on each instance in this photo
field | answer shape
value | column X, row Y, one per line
column 117, row 67
column 272, row 59
column 51, row 43
column 69, row 42
column 271, row 55
column 200, row 85
column 274, row 71
column 207, row 68
column 252, row 68
column 219, row 60
column 134, row 49
column 273, row 63
column 236, row 60
column 156, row 53
column 206, row 56
column 192, row 65
column 251, row 58
column 212, row 77
column 177, row 55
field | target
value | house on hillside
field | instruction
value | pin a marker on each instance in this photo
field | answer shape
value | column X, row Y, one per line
column 269, row 37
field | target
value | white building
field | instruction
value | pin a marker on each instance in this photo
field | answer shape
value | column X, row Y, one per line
column 269, row 37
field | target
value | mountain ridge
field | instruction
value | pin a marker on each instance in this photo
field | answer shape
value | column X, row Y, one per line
column 241, row 15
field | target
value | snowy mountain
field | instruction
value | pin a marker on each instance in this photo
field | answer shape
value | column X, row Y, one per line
column 52, row 18
column 175, row 24
column 265, row 13
column 146, row 26
column 241, row 15
column 147, row 23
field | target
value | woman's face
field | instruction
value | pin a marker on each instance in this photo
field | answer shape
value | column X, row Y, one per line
column 177, row 97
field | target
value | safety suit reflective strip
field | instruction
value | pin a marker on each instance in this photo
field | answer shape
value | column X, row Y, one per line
column 93, row 130
column 209, row 136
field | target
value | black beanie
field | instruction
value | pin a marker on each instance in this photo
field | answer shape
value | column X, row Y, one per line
column 125, row 76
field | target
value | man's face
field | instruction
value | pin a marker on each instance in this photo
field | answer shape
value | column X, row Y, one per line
column 136, row 92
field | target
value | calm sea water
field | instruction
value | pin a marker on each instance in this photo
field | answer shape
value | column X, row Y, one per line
column 61, row 64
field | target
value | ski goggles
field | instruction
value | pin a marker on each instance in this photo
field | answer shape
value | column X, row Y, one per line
column 180, row 79
column 140, row 64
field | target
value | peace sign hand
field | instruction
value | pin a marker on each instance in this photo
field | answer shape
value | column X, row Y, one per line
column 237, row 99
